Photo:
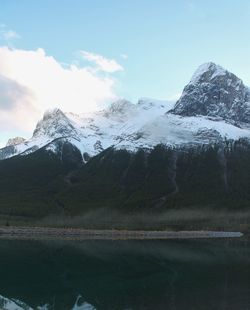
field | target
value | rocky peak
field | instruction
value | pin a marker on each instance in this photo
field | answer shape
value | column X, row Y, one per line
column 54, row 124
column 215, row 92
column 15, row 141
column 120, row 106
column 207, row 72
column 145, row 102
column 148, row 103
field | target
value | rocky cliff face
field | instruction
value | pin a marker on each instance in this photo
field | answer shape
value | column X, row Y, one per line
column 215, row 92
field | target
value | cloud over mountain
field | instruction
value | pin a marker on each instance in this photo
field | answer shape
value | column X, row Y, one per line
column 32, row 81
column 102, row 63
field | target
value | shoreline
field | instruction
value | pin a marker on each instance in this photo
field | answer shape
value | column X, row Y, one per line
column 103, row 234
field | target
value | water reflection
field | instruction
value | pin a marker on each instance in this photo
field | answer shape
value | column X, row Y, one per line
column 15, row 304
column 201, row 274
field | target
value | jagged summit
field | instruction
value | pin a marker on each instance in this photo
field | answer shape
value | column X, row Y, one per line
column 15, row 141
column 123, row 106
column 120, row 107
column 215, row 92
column 52, row 112
column 149, row 103
column 208, row 71
column 54, row 124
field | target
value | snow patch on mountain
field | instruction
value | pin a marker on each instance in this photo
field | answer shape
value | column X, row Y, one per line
column 102, row 129
column 174, row 130
column 91, row 132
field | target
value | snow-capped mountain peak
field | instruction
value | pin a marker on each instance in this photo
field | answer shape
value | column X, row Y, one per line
column 54, row 124
column 207, row 71
column 215, row 92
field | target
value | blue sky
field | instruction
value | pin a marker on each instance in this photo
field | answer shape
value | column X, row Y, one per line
column 164, row 41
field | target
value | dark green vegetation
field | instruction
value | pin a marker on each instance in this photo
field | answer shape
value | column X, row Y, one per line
column 200, row 187
column 143, row 275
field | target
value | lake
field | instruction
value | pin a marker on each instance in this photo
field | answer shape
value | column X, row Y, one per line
column 94, row 274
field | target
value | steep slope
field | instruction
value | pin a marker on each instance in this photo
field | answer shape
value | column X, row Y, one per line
column 215, row 92
column 164, row 178
column 43, row 188
column 27, row 182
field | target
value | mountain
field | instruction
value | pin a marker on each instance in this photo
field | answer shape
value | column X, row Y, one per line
column 124, row 189
column 215, row 105
column 54, row 124
column 145, row 158
column 92, row 132
column 15, row 141
column 215, row 92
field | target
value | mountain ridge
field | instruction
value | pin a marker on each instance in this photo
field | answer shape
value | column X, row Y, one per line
column 213, row 106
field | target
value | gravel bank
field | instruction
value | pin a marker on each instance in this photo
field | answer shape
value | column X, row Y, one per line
column 82, row 234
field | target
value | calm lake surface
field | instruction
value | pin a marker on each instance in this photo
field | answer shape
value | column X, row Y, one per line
column 172, row 274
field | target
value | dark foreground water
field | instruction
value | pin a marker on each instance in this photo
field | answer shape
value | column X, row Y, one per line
column 188, row 274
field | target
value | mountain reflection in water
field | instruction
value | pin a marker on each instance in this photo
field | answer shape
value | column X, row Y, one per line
column 171, row 274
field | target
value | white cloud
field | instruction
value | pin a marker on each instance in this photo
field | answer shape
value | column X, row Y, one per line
column 8, row 34
column 102, row 63
column 31, row 82
column 190, row 5
column 124, row 56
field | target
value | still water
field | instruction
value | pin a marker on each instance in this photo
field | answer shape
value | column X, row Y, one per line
column 86, row 275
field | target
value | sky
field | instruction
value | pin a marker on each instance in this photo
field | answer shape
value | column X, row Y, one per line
column 79, row 55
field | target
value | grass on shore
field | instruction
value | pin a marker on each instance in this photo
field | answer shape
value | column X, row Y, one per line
column 181, row 219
